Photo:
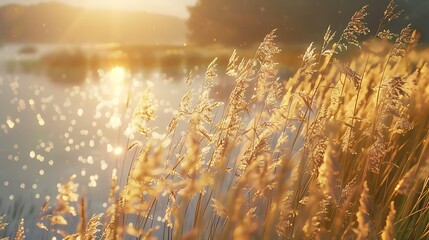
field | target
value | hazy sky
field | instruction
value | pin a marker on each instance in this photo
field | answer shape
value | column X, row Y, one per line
column 170, row 7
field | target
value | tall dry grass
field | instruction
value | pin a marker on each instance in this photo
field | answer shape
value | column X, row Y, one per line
column 338, row 151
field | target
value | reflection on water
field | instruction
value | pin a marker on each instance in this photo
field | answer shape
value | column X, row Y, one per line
column 71, row 65
column 50, row 131
column 67, row 75
column 66, row 67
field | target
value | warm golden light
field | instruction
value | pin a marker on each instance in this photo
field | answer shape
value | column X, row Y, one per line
column 118, row 151
column 116, row 79
column 117, row 74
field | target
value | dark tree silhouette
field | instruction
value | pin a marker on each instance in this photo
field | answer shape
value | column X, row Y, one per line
column 244, row 22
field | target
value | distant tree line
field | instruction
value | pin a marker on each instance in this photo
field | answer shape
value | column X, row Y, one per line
column 244, row 22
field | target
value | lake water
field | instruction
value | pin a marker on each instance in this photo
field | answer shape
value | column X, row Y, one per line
column 50, row 131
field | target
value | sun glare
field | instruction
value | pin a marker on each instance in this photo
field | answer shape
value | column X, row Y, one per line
column 116, row 80
column 117, row 74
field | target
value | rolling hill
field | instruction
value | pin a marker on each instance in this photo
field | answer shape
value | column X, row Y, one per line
column 60, row 23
